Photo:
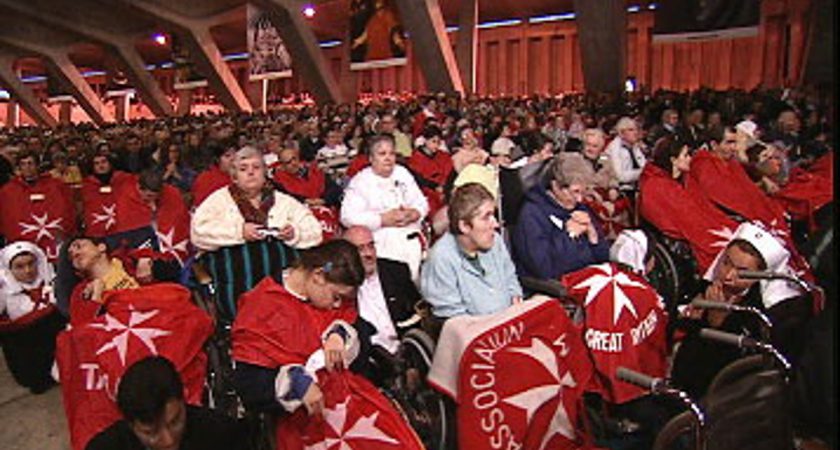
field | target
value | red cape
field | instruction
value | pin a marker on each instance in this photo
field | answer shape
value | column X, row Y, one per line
column 207, row 183
column 99, row 215
column 311, row 186
column 680, row 214
column 171, row 221
column 92, row 357
column 274, row 328
column 42, row 213
column 808, row 190
column 727, row 185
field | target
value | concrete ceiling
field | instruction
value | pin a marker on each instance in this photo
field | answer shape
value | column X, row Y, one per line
column 123, row 17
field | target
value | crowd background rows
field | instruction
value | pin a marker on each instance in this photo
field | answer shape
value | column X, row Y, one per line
column 386, row 169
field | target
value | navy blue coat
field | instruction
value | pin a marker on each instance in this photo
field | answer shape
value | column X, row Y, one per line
column 542, row 246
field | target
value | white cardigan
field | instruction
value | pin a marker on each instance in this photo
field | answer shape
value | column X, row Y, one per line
column 217, row 222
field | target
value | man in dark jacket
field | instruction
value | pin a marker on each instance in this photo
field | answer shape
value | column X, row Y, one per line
column 387, row 297
column 556, row 233
column 151, row 399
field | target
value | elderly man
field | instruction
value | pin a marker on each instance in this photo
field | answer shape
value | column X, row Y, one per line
column 626, row 155
column 387, row 297
column 469, row 270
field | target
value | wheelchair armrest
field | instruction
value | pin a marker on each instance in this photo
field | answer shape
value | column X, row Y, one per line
column 551, row 288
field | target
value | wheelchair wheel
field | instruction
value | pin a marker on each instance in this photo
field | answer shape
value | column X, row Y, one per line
column 424, row 408
column 665, row 277
column 678, row 433
column 220, row 394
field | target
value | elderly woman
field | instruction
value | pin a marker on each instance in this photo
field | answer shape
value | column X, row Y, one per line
column 385, row 198
column 556, row 233
column 29, row 320
column 250, row 210
column 248, row 229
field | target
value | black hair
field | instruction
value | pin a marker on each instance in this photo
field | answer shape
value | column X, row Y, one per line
column 716, row 133
column 573, row 145
column 431, row 131
column 151, row 179
column 665, row 150
column 339, row 260
column 146, row 387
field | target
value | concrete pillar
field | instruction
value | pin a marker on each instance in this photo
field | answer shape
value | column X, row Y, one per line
column 204, row 51
column 602, row 28
column 307, row 58
column 122, row 101
column 466, row 48
column 12, row 114
column 424, row 22
column 22, row 94
column 257, row 92
column 142, row 80
column 65, row 112
column 63, row 68
column 185, row 97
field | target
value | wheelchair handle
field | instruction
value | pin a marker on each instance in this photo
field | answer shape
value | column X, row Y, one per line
column 660, row 386
column 789, row 277
column 746, row 343
column 639, row 379
column 767, row 324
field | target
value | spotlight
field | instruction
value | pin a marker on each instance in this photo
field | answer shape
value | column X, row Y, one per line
column 309, row 11
column 159, row 38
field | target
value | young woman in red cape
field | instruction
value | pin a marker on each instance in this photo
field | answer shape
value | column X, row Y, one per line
column 298, row 342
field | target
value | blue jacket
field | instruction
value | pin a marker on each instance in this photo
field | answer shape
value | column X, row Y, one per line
column 453, row 286
column 543, row 248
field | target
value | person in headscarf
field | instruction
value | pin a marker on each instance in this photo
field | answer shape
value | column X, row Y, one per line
column 29, row 319
column 752, row 248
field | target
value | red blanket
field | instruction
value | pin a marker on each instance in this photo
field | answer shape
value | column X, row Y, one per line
column 624, row 325
column 808, row 190
column 42, row 213
column 274, row 328
column 92, row 357
column 679, row 214
column 727, row 185
column 518, row 377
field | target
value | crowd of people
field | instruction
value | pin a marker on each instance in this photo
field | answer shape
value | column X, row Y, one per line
column 323, row 226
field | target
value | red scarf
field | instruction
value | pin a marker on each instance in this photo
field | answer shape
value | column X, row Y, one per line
column 247, row 209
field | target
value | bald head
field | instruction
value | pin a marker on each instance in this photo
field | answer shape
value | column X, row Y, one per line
column 362, row 238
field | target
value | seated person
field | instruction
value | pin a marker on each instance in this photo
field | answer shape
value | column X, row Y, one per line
column 626, row 153
column 387, row 297
column 152, row 226
column 752, row 248
column 247, row 208
column 156, row 417
column 385, row 198
column 672, row 209
column 296, row 334
column 262, row 225
column 431, row 167
column 305, row 182
column 86, row 273
column 99, row 194
column 29, row 319
column 556, row 233
column 469, row 270
column 216, row 176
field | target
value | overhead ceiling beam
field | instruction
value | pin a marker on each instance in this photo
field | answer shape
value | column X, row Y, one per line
column 21, row 93
column 196, row 36
column 75, row 21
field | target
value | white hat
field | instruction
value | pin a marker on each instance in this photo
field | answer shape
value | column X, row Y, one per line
column 747, row 127
column 775, row 255
column 630, row 248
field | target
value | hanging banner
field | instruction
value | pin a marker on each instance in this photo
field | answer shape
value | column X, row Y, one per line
column 269, row 57
column 693, row 20
column 187, row 75
column 377, row 36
